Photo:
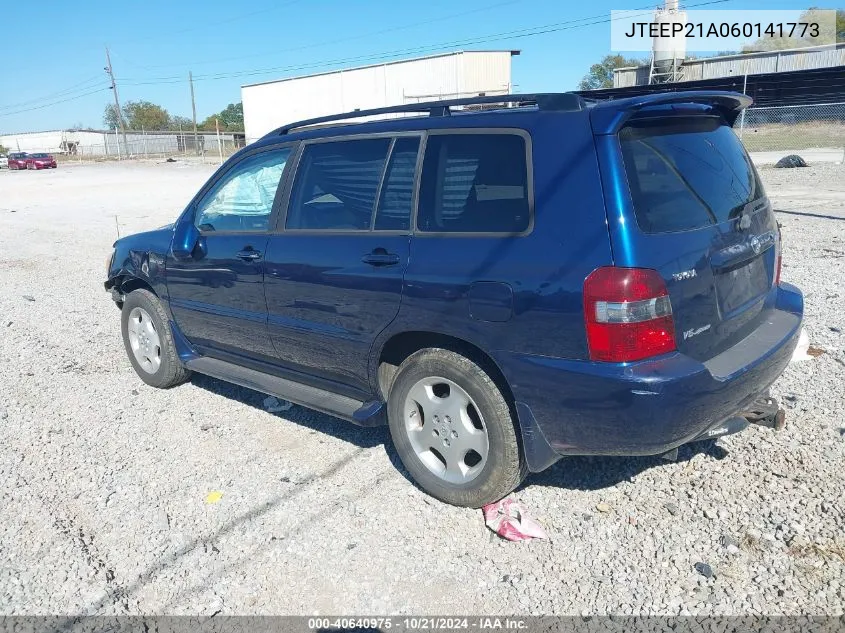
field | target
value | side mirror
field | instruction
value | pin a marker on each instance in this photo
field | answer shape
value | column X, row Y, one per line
column 186, row 237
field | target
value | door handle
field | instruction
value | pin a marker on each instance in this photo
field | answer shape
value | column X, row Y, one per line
column 249, row 255
column 379, row 257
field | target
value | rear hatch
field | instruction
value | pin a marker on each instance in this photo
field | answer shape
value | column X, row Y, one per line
column 702, row 220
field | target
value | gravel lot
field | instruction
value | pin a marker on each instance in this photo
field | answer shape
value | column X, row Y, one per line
column 103, row 480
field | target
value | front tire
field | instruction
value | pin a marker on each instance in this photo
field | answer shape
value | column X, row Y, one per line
column 149, row 341
column 453, row 429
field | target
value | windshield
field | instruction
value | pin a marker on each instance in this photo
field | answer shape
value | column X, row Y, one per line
column 687, row 173
column 38, row 156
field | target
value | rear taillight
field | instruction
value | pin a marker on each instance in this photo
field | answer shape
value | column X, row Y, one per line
column 628, row 314
column 778, row 256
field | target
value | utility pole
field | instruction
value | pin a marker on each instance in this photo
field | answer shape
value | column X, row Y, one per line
column 219, row 143
column 117, row 111
column 194, row 112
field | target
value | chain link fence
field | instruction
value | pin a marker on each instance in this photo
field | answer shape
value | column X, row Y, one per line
column 814, row 130
column 134, row 145
column 205, row 147
column 86, row 146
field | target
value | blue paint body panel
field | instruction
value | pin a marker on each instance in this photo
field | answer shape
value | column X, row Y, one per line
column 312, row 311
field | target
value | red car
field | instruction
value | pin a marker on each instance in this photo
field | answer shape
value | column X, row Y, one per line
column 40, row 161
column 17, row 160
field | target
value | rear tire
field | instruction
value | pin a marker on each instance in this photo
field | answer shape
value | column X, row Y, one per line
column 149, row 341
column 453, row 429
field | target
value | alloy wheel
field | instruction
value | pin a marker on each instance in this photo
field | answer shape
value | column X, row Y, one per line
column 446, row 429
column 144, row 340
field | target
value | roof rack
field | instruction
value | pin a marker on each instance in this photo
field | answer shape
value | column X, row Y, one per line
column 549, row 101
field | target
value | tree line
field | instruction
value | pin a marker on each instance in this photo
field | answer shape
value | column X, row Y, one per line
column 145, row 115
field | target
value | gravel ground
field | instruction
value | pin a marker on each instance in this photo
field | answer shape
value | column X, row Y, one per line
column 104, row 481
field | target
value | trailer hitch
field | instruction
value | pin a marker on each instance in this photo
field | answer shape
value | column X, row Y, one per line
column 766, row 411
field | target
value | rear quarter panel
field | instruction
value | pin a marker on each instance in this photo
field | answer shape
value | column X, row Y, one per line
column 545, row 269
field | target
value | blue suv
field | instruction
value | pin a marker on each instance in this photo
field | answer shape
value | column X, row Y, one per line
column 503, row 282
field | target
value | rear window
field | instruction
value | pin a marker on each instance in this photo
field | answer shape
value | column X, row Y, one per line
column 687, row 173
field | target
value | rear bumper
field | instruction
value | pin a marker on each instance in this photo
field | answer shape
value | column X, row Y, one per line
column 648, row 407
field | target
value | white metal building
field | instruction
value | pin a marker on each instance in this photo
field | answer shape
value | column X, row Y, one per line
column 271, row 104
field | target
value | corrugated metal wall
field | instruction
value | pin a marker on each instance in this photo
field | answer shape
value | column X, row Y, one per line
column 794, row 88
column 633, row 76
column 487, row 72
column 32, row 141
column 752, row 64
column 270, row 105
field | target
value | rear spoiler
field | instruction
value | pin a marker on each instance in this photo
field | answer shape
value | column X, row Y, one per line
column 608, row 117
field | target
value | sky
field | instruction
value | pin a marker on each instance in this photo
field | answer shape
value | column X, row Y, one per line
column 55, row 78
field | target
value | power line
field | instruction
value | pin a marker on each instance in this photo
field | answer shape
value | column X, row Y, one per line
column 515, row 34
column 526, row 32
column 519, row 33
column 341, row 40
column 78, row 87
column 47, row 105
column 208, row 25
column 376, row 56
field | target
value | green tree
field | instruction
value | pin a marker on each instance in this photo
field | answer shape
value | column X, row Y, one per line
column 3, row 149
column 601, row 74
column 207, row 124
column 180, row 122
column 232, row 116
column 137, row 115
column 110, row 118
column 145, row 115
column 231, row 119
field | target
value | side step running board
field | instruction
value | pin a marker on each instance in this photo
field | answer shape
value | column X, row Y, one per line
column 356, row 411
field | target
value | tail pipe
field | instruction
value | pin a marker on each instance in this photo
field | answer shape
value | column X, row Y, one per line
column 766, row 411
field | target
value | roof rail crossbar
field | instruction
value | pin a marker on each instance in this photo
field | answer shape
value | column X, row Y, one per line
column 560, row 101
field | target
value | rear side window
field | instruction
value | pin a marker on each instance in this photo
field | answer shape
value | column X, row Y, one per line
column 337, row 184
column 687, row 173
column 474, row 183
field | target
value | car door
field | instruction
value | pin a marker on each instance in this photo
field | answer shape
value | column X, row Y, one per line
column 334, row 269
column 217, row 293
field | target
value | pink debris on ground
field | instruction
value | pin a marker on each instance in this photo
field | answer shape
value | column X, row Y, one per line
column 509, row 519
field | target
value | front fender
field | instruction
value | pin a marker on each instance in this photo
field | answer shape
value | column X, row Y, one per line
column 141, row 259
